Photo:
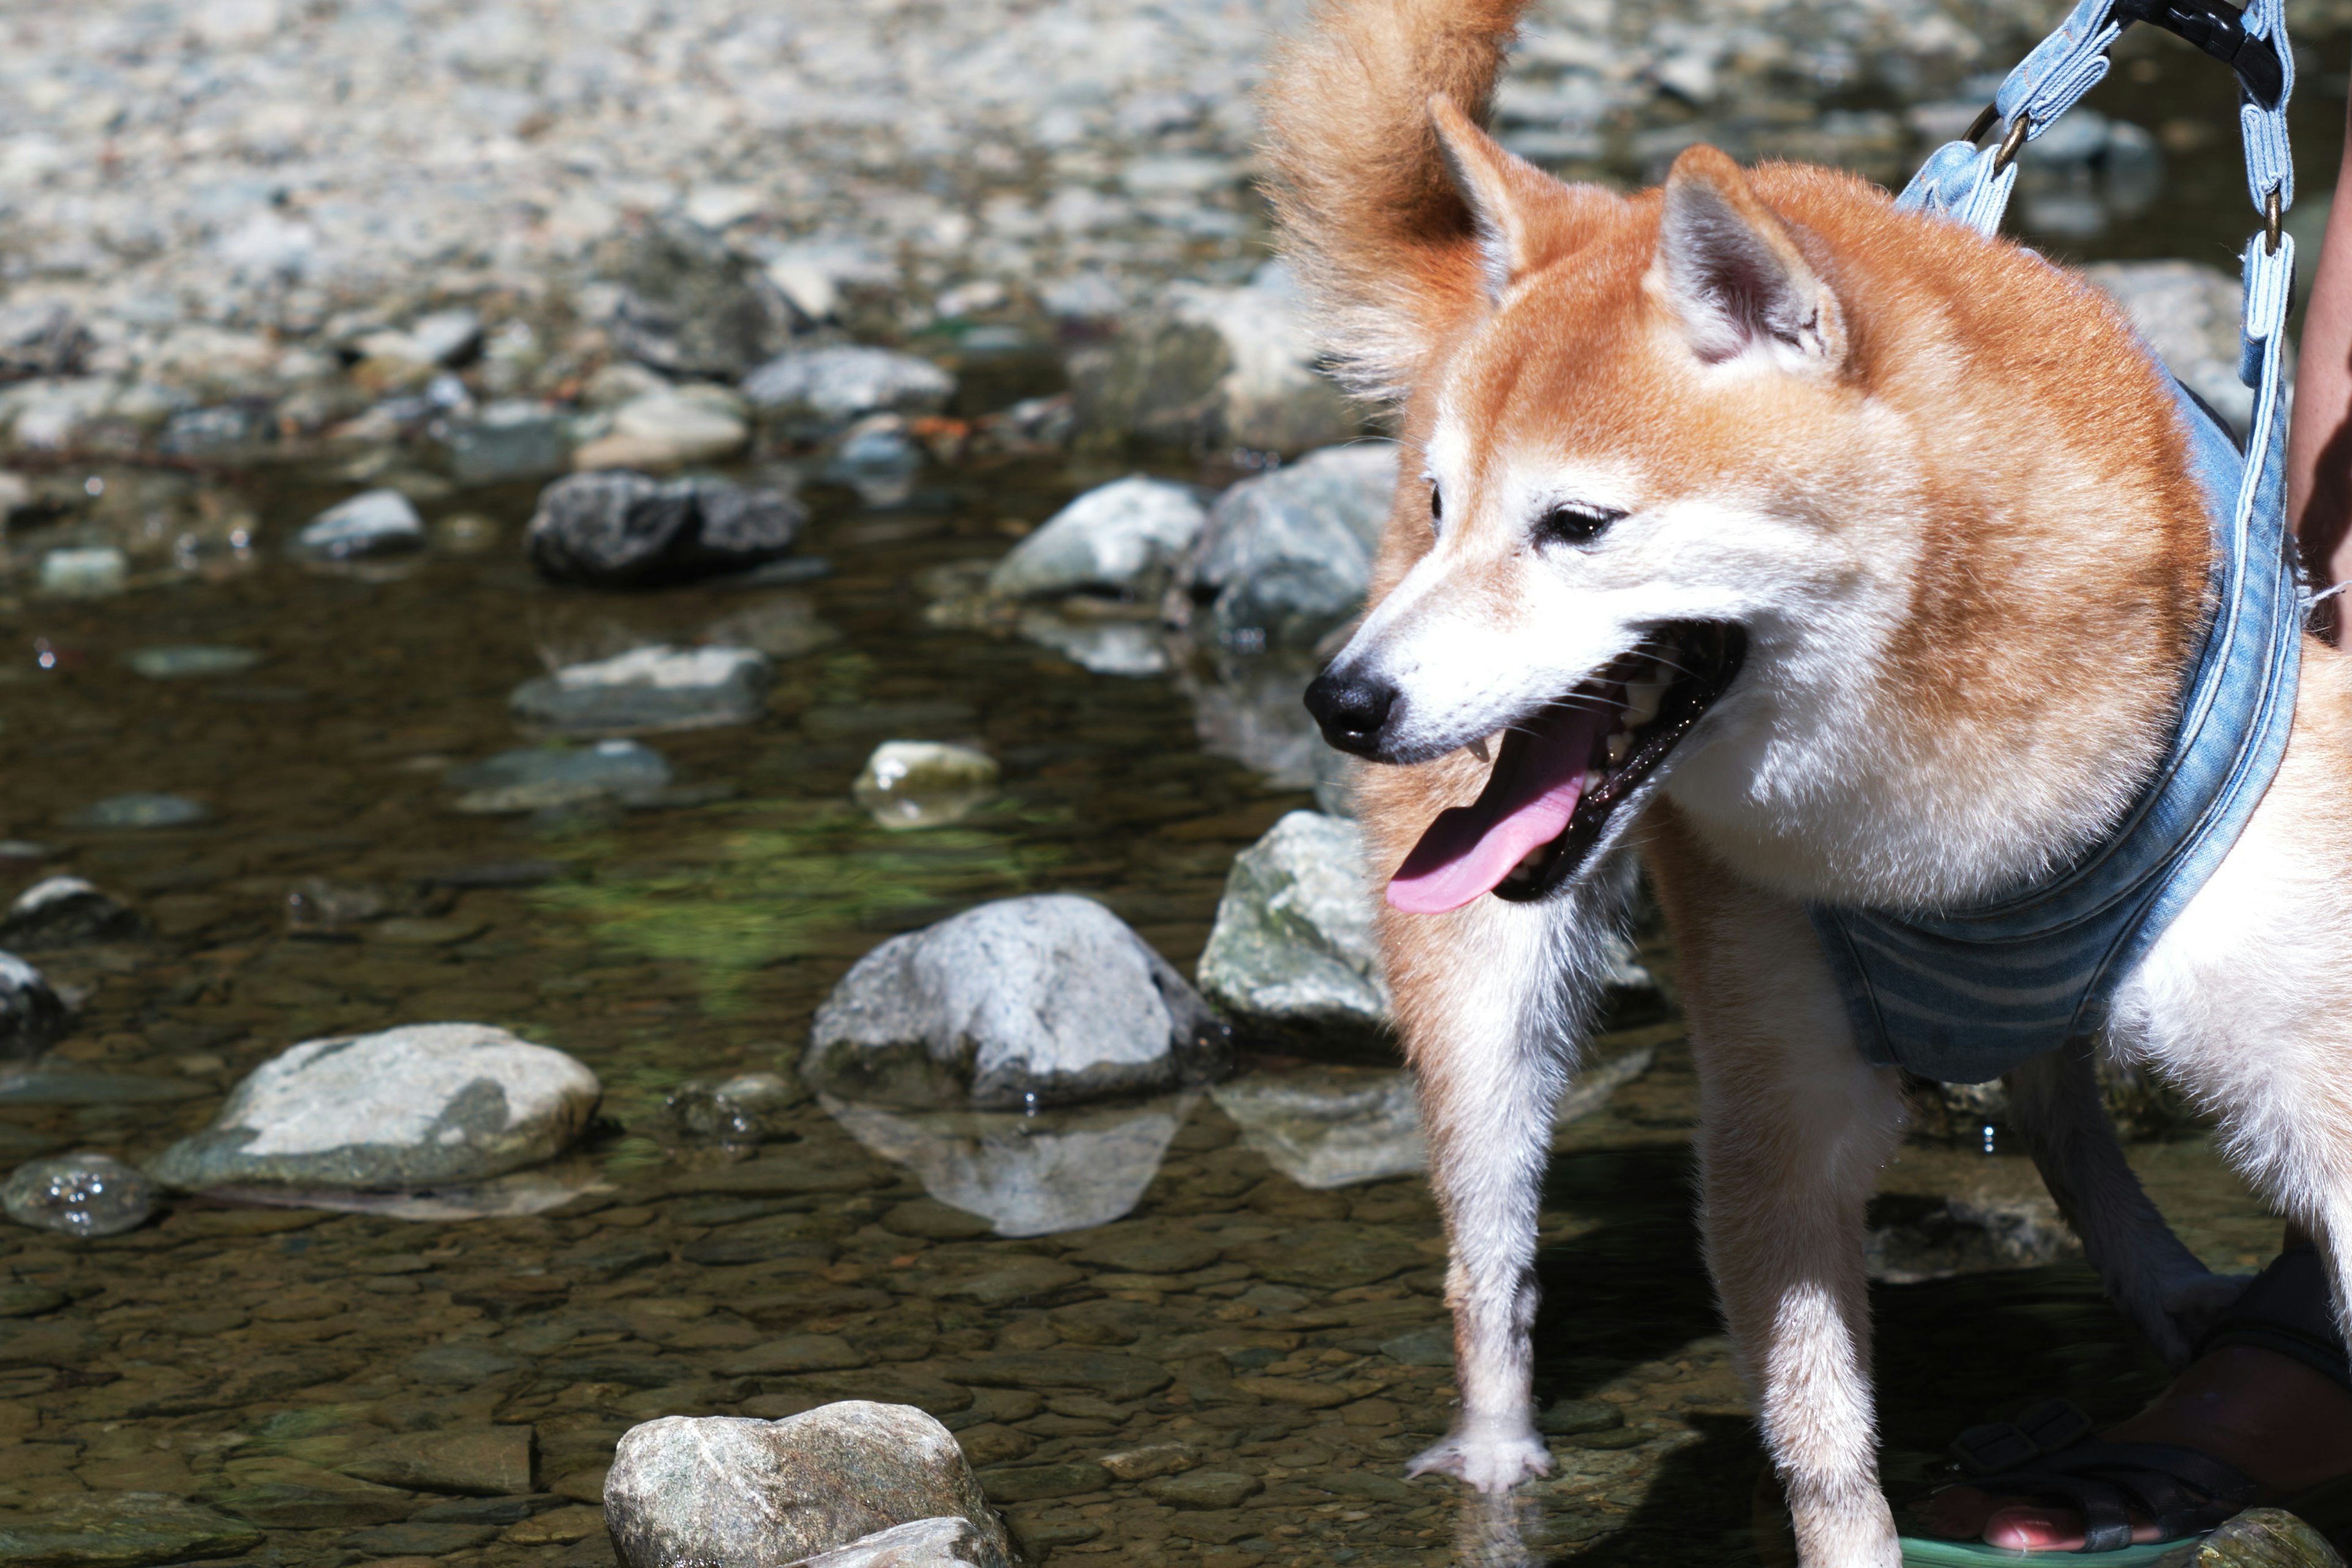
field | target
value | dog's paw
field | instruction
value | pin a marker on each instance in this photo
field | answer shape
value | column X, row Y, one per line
column 1486, row 1459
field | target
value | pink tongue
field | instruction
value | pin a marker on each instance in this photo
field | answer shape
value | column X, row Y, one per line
column 1527, row 803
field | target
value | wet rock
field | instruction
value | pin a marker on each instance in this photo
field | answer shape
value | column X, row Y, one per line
column 2258, row 1538
column 2189, row 315
column 87, row 573
column 487, row 1461
column 1151, row 1459
column 690, row 306
column 191, row 662
column 1023, row 1002
column 1130, row 648
column 32, row 1017
column 1570, row 1417
column 1922, row 1239
column 1123, row 537
column 1064, row 1169
column 620, row 530
column 67, row 912
column 1213, row 369
column 371, row 524
column 954, row 1543
column 1292, row 959
column 141, row 809
column 1120, row 1378
column 423, row 1105
column 923, row 783
column 1330, row 1126
column 79, row 1195
column 121, row 1530
column 511, row 438
column 666, row 430
column 728, row 1489
column 834, row 385
column 1288, row 555
column 648, row 690
column 535, row 778
column 1203, row 1488
column 1035, row 1483
column 744, row 1109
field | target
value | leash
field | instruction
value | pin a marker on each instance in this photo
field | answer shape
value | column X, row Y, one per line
column 1964, row 996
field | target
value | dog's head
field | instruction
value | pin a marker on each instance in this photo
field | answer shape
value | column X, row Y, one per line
column 1679, row 484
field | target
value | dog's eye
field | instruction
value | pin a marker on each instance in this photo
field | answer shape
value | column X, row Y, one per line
column 1574, row 523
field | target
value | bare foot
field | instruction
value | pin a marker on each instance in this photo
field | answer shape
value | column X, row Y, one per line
column 2285, row 1424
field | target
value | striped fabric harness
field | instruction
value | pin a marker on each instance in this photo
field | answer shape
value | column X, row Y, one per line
column 1965, row 996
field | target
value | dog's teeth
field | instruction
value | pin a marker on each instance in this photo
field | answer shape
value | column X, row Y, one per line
column 1530, row 861
column 1591, row 780
column 1620, row 745
column 1642, row 697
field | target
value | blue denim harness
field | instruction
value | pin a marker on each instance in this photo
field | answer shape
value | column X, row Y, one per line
column 1965, row 996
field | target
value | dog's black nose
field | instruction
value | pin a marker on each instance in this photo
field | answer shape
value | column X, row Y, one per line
column 1351, row 711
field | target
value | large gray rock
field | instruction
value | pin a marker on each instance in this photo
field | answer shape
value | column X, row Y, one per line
column 1287, row 556
column 954, row 1542
column 646, row 690
column 1062, row 1169
column 690, row 306
column 726, row 1489
column 1031, row 1001
column 1122, row 537
column 32, row 1018
column 420, row 1106
column 840, row 383
column 2188, row 314
column 621, row 529
column 1292, row 959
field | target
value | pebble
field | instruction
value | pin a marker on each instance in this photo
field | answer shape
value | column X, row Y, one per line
column 835, row 384
column 142, row 809
column 923, row 783
column 1293, row 959
column 79, row 1195
column 744, row 1109
column 623, row 530
column 536, row 778
column 371, row 524
column 87, row 573
column 662, row 431
column 1023, row 1002
column 480, row 1461
column 648, row 690
column 32, row 1018
column 1288, row 555
column 678, row 1488
column 181, row 663
column 1122, row 537
column 423, row 1105
column 67, row 912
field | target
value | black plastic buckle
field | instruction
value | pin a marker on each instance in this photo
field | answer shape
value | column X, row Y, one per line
column 2220, row 29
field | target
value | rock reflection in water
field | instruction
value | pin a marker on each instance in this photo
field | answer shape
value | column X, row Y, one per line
column 1252, row 708
column 1058, row 1170
column 1330, row 1126
column 500, row 1197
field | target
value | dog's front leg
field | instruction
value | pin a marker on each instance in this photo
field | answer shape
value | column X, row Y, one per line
column 1492, row 999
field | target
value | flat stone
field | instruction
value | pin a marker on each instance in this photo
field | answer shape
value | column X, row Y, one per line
column 180, row 662
column 79, row 1195
column 536, row 778
column 140, row 809
column 951, row 1543
column 1568, row 1417
column 1332, row 1257
column 1123, row 537
column 795, row 1352
column 843, row 382
column 1033, row 1483
column 622, row 530
column 648, row 690
column 121, row 1530
column 371, row 524
column 730, row 1490
column 423, row 1105
column 1024, row 1001
column 418, row 1540
column 67, row 912
column 1147, row 1250
column 1120, row 1378
column 1203, row 1488
column 1293, row 959
column 487, row 1461
column 286, row 1494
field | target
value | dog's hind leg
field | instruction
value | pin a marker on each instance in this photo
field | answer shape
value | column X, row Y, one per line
column 2152, row 1278
column 1492, row 1000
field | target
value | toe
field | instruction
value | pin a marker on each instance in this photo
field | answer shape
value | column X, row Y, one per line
column 2028, row 1527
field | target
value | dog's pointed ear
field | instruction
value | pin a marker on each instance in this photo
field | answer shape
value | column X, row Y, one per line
column 1511, row 201
column 1733, row 274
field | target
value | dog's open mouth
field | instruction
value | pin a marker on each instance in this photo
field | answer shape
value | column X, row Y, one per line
column 1558, row 777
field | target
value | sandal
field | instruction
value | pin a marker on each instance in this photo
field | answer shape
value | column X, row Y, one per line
column 2050, row 1452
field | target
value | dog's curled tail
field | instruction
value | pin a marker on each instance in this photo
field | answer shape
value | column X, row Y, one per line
column 1374, row 227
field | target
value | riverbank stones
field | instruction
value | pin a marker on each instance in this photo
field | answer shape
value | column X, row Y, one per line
column 622, row 530
column 1285, row 557
column 1293, row 960
column 423, row 1105
column 666, row 430
column 79, row 1195
column 648, row 690
column 371, row 525
column 32, row 1017
column 730, row 1490
column 840, row 383
column 1124, row 537
column 1024, row 1001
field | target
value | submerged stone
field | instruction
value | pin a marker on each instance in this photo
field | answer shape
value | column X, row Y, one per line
column 923, row 783
column 121, row 1530
column 534, row 778
column 181, row 663
column 423, row 1105
column 1023, row 1002
column 1293, row 959
column 730, row 1490
column 485, row 1461
column 372, row 523
column 140, row 809
column 67, row 912
column 744, row 1109
column 648, row 690
column 79, row 1195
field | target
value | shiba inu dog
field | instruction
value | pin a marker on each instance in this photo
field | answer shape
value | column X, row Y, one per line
column 1816, row 551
